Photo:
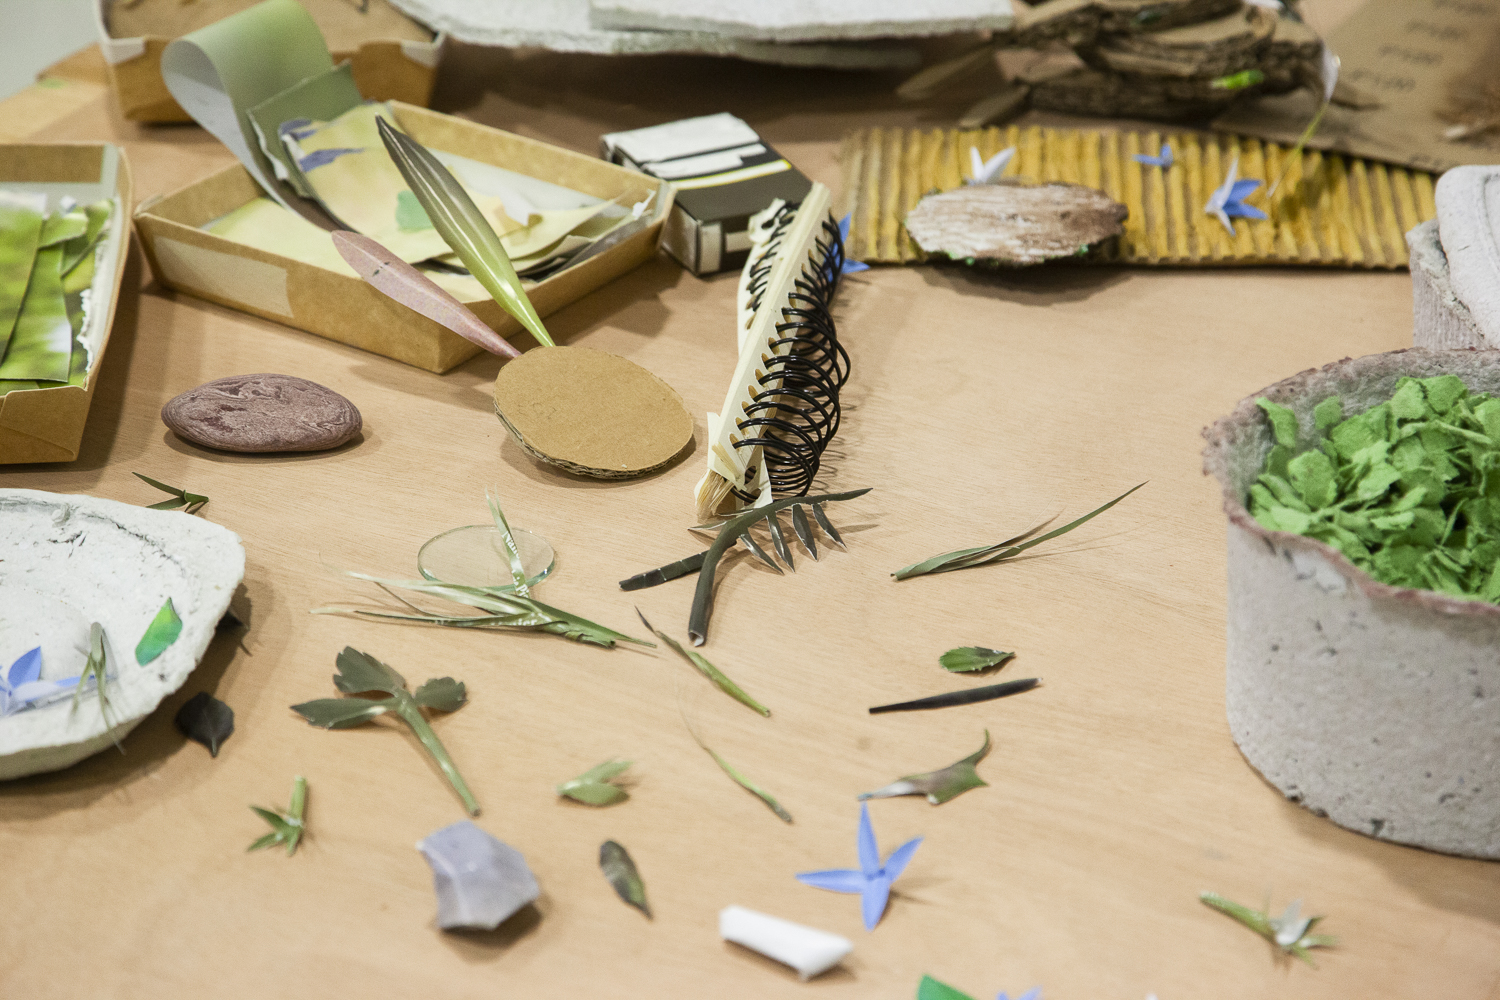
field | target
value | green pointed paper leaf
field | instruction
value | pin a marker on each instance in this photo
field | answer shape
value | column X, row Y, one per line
column 161, row 633
column 341, row 713
column 966, row 659
column 942, row 785
column 1283, row 422
column 592, row 786
column 707, row 669
column 620, row 871
column 932, row 989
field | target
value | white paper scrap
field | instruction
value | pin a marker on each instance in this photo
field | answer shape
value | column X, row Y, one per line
column 806, row 949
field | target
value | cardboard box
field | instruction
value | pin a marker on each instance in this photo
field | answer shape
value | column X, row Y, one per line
column 341, row 307
column 721, row 171
column 46, row 425
column 384, row 70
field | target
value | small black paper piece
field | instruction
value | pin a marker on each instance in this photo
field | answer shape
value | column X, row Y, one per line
column 229, row 621
column 205, row 719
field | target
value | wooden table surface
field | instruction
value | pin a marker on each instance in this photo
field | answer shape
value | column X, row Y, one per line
column 978, row 404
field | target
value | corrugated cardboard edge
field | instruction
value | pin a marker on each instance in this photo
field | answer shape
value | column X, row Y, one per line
column 345, row 309
column 1352, row 213
column 46, row 425
column 384, row 70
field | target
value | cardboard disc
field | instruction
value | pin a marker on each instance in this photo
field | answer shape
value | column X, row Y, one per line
column 590, row 412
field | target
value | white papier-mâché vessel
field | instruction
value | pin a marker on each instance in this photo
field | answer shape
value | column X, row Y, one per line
column 69, row 561
column 1377, row 706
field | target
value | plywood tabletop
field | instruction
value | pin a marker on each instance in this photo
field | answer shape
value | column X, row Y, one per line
column 979, row 403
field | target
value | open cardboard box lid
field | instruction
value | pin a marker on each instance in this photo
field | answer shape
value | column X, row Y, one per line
column 340, row 306
column 46, row 425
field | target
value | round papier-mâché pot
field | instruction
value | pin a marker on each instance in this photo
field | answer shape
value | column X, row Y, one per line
column 69, row 561
column 1376, row 706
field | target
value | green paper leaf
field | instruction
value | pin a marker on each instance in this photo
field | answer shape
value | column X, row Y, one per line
column 620, row 871
column 707, row 669
column 442, row 694
column 1283, row 422
column 1312, row 474
column 463, row 227
column 966, row 659
column 161, row 633
column 182, row 498
column 1328, row 413
column 592, row 786
column 1288, row 932
column 735, row 774
column 1010, row 547
column 410, row 215
column 932, row 989
column 360, row 672
column 941, row 785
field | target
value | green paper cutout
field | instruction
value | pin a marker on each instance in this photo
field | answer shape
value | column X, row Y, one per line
column 20, row 228
column 410, row 215
column 322, row 97
column 161, row 633
column 41, row 346
column 932, row 989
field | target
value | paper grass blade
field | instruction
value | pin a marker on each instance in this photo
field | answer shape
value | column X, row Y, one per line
column 512, row 554
column 361, row 673
column 161, row 633
column 620, row 871
column 734, row 773
column 392, row 276
column 286, row 827
column 968, row 558
column 1288, row 932
column 939, row 786
column 205, row 719
column 967, row 659
column 189, row 502
column 1329, row 74
column 968, row 697
column 592, row 787
column 463, row 227
column 707, row 669
column 873, row 878
column 95, row 667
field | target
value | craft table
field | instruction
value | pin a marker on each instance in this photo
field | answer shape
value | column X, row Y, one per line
column 979, row 404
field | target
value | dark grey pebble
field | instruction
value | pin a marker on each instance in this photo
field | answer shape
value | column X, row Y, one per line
column 262, row 413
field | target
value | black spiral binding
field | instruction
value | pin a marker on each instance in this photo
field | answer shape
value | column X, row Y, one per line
column 796, row 413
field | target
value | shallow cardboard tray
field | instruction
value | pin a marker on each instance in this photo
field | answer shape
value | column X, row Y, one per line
column 344, row 308
column 46, row 425
column 384, row 70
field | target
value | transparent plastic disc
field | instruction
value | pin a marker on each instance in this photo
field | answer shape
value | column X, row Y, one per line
column 474, row 556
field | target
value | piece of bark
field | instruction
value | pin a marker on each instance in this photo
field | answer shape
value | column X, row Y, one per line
column 1015, row 225
column 998, row 108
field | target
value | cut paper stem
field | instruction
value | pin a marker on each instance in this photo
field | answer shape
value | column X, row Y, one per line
column 394, row 277
column 967, row 697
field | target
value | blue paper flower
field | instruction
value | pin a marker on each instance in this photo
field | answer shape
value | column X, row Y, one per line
column 850, row 266
column 1163, row 160
column 985, row 171
column 872, row 879
column 1228, row 200
column 22, row 685
column 1035, row 993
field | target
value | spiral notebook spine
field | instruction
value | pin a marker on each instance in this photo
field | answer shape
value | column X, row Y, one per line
column 783, row 405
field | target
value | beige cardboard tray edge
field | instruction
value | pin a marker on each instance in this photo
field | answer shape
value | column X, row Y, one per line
column 344, row 308
column 384, row 70
column 46, row 425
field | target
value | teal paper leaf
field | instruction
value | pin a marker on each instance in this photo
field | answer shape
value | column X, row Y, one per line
column 161, row 633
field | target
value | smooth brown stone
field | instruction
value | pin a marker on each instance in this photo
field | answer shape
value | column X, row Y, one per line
column 262, row 413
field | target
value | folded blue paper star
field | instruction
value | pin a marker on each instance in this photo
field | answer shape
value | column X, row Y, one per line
column 1229, row 199
column 1163, row 160
column 850, row 266
column 22, row 684
column 872, row 879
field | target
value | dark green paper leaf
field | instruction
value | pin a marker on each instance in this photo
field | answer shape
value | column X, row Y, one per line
column 442, row 694
column 161, row 633
column 205, row 719
column 360, row 672
column 966, row 659
column 341, row 713
column 966, row 697
column 182, row 498
column 620, row 871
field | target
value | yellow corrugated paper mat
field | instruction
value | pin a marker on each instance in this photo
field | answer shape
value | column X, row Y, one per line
column 1331, row 210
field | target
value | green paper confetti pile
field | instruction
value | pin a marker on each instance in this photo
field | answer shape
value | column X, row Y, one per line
column 46, row 269
column 1408, row 491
